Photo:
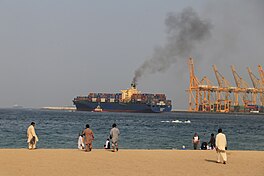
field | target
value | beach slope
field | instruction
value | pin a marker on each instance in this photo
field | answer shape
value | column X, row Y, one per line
column 70, row 162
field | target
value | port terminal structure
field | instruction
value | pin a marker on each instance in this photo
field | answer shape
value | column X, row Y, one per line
column 225, row 98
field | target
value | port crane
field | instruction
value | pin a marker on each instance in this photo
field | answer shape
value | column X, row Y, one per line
column 193, row 88
column 224, row 88
column 200, row 91
column 242, row 87
column 258, row 88
column 261, row 73
column 205, row 96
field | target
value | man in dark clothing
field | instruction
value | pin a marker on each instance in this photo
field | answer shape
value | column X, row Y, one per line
column 212, row 141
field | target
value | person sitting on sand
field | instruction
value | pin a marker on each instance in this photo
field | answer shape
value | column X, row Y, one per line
column 80, row 142
column 195, row 141
column 204, row 146
column 32, row 137
column 107, row 144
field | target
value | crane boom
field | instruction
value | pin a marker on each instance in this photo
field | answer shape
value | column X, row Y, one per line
column 255, row 81
column 257, row 87
column 193, row 88
column 239, row 81
column 261, row 73
column 222, row 82
column 218, row 76
column 242, row 86
column 193, row 79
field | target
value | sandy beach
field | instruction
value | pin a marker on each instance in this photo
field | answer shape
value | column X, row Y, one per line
column 20, row 162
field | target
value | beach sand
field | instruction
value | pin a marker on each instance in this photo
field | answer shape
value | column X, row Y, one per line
column 64, row 162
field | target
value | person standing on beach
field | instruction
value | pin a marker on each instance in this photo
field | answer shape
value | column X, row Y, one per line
column 114, row 134
column 32, row 137
column 220, row 145
column 89, row 137
column 212, row 141
column 195, row 141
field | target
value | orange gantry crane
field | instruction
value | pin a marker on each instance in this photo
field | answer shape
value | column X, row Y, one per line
column 261, row 74
column 223, row 102
column 244, row 89
column 207, row 94
column 258, row 88
column 204, row 96
column 193, row 88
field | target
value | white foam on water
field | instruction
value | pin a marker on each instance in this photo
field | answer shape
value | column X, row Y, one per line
column 176, row 121
column 167, row 121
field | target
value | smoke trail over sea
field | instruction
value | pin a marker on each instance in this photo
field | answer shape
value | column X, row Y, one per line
column 184, row 31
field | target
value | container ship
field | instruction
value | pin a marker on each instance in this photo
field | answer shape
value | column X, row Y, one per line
column 129, row 100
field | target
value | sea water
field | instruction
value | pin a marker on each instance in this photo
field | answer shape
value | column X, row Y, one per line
column 60, row 129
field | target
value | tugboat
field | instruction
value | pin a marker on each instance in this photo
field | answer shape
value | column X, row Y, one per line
column 98, row 109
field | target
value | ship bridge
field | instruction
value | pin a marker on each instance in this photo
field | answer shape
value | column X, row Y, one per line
column 127, row 94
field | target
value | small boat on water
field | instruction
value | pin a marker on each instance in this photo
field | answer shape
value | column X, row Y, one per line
column 98, row 109
column 254, row 111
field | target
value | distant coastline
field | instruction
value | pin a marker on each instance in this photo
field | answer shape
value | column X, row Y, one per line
column 70, row 108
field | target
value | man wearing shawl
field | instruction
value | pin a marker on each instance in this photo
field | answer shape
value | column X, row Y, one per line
column 32, row 137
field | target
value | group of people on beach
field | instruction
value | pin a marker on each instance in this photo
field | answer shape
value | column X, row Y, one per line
column 87, row 136
column 204, row 145
column 219, row 143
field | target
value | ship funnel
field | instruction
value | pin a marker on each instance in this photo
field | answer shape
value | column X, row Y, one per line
column 133, row 85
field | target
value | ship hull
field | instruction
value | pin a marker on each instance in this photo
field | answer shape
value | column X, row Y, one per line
column 122, row 107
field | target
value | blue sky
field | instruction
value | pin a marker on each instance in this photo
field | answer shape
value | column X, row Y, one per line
column 52, row 51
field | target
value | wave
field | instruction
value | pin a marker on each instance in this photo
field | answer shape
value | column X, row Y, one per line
column 176, row 121
column 167, row 121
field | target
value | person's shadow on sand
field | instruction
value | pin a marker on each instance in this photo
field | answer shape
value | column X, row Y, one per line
column 211, row 161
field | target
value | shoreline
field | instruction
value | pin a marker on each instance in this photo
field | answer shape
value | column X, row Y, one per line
column 129, row 149
column 128, row 162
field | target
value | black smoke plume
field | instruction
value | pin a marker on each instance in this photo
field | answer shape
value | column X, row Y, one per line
column 184, row 31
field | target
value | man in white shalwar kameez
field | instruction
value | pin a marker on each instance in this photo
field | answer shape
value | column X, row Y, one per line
column 32, row 137
column 221, row 144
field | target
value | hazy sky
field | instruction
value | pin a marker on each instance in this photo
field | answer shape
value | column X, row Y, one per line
column 54, row 50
